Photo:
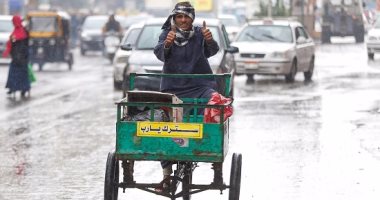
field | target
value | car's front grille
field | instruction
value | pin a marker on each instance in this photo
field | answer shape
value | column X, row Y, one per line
column 97, row 37
column 252, row 55
column 373, row 38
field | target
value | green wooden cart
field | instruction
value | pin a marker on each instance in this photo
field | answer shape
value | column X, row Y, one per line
column 183, row 139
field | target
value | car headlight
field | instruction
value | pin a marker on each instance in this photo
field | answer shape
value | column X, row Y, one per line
column 121, row 59
column 85, row 37
column 52, row 42
column 279, row 54
column 133, row 68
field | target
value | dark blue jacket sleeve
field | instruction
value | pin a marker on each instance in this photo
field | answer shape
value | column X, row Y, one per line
column 211, row 48
column 159, row 50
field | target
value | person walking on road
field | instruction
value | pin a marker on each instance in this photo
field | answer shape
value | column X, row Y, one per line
column 17, row 47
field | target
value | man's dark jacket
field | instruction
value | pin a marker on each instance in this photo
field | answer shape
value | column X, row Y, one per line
column 188, row 59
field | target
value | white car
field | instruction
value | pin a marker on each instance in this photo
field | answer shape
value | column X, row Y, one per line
column 6, row 28
column 121, row 56
column 91, row 36
column 373, row 41
column 143, row 60
column 274, row 47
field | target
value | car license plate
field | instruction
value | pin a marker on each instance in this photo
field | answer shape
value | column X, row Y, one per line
column 169, row 129
column 40, row 51
column 251, row 66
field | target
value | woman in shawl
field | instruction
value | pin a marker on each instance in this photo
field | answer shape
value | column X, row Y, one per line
column 17, row 47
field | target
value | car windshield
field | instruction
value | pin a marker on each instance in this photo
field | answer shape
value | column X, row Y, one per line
column 150, row 34
column 339, row 2
column 266, row 33
column 93, row 23
column 230, row 21
column 6, row 26
column 131, row 37
column 43, row 24
column 134, row 19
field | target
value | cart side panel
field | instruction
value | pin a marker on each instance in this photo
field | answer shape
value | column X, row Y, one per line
column 208, row 149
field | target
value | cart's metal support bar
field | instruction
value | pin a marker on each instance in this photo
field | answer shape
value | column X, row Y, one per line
column 194, row 187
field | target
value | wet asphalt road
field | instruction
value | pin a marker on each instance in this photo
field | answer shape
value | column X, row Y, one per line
column 299, row 141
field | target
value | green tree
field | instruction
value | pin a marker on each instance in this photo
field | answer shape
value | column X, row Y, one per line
column 278, row 10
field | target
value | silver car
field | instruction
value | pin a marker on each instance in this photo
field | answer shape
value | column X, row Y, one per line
column 274, row 47
column 373, row 41
column 121, row 57
column 143, row 60
column 6, row 28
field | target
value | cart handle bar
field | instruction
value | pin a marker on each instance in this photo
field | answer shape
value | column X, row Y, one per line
column 226, row 76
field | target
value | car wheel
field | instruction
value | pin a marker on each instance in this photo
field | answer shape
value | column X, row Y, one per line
column 293, row 71
column 309, row 74
column 40, row 66
column 325, row 35
column 371, row 56
column 70, row 61
column 117, row 85
column 250, row 79
column 82, row 52
column 359, row 34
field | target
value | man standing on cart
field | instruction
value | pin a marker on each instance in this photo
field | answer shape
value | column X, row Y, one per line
column 184, row 49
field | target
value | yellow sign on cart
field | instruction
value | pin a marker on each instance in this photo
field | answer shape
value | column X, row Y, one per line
column 169, row 129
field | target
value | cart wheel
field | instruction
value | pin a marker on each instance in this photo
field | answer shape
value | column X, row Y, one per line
column 235, row 177
column 70, row 62
column 187, row 179
column 111, row 178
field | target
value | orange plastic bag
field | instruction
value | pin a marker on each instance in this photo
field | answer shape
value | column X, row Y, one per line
column 212, row 115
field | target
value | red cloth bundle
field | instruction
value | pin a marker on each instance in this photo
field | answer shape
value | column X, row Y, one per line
column 212, row 115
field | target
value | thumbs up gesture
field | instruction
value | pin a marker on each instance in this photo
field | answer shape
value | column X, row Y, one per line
column 170, row 37
column 206, row 33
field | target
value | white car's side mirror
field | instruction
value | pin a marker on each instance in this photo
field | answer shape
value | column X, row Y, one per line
column 301, row 40
column 126, row 47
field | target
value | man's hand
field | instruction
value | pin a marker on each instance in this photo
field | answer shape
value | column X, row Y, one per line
column 170, row 37
column 206, row 33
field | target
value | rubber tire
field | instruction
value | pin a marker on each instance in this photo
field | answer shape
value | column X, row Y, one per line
column 325, row 36
column 235, row 177
column 117, row 85
column 110, row 57
column 188, row 179
column 70, row 61
column 82, row 52
column 292, row 74
column 309, row 74
column 359, row 34
column 371, row 56
column 40, row 66
column 111, row 177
